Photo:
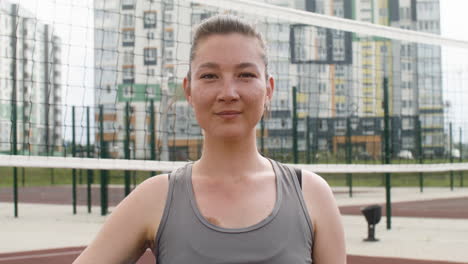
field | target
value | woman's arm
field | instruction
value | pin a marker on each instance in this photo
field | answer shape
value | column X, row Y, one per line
column 329, row 241
column 131, row 228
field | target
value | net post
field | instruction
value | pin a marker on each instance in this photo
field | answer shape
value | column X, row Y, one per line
column 13, row 72
column 315, row 141
column 451, row 155
column 46, row 86
column 103, row 155
column 418, row 135
column 387, row 160
column 294, row 126
column 73, row 155
column 88, row 154
column 127, row 146
column 23, row 179
column 308, row 158
column 153, row 133
column 461, row 157
column 349, row 176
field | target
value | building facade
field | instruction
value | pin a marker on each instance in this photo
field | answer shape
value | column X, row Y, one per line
column 343, row 88
column 30, row 75
column 142, row 49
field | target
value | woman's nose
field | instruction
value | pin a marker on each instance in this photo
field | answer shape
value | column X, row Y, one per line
column 228, row 91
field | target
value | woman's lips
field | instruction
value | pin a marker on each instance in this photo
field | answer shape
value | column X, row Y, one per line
column 228, row 114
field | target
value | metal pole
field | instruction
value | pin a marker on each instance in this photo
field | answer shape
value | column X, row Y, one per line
column 308, row 158
column 14, row 150
column 450, row 155
column 103, row 155
column 152, row 133
column 73, row 155
column 163, row 120
column 461, row 158
column 46, row 89
column 315, row 141
column 23, row 180
column 387, row 157
column 294, row 127
column 349, row 154
column 420, row 151
column 127, row 146
column 89, row 179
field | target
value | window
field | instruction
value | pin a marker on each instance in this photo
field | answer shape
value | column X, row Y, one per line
column 407, row 142
column 128, row 75
column 407, row 123
column 128, row 91
column 150, row 55
column 128, row 20
column 150, row 35
column 150, row 91
column 322, row 88
column 169, row 57
column 167, row 17
column 322, row 144
column 128, row 4
column 149, row 19
column 150, row 72
column 128, row 38
column 169, row 38
column 323, row 126
column 168, row 4
column 128, row 58
column 340, row 124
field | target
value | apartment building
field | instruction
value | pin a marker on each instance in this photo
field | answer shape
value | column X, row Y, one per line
column 353, row 88
column 31, row 77
column 142, row 49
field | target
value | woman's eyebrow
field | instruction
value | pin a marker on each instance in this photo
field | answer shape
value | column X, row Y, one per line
column 246, row 65
column 209, row 65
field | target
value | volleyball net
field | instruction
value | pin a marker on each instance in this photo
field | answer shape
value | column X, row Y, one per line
column 97, row 84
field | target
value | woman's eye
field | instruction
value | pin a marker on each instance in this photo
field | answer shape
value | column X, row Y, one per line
column 208, row 76
column 247, row 75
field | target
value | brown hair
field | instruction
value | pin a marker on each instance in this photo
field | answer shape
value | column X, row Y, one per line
column 223, row 25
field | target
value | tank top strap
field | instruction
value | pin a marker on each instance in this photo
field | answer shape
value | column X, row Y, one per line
column 291, row 183
column 174, row 177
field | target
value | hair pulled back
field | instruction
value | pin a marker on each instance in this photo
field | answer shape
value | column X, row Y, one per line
column 224, row 25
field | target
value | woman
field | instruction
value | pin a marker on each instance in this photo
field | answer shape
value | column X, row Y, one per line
column 233, row 205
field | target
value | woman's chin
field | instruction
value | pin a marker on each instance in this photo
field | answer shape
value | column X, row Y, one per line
column 229, row 134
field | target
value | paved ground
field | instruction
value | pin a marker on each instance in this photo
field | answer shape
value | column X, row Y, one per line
column 67, row 255
column 412, row 240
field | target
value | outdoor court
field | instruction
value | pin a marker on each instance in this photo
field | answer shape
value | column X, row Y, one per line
column 428, row 227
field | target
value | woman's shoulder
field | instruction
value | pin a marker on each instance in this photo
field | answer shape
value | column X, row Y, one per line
column 153, row 192
column 142, row 210
column 150, row 197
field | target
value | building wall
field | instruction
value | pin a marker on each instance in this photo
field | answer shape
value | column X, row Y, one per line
column 142, row 48
column 38, row 86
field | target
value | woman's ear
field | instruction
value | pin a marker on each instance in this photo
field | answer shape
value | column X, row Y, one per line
column 186, row 86
column 270, row 87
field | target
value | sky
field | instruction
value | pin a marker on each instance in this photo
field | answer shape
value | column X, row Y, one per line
column 73, row 23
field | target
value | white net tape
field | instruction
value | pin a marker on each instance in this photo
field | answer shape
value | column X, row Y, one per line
column 165, row 166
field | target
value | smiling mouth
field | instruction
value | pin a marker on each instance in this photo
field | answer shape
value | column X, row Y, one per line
column 228, row 114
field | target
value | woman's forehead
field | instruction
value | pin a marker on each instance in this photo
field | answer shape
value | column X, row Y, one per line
column 232, row 49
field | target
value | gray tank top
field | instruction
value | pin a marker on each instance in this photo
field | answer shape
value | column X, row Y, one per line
column 185, row 236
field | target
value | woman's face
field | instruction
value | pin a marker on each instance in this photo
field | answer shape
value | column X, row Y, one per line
column 228, row 87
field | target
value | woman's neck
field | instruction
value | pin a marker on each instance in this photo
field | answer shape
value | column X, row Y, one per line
column 230, row 158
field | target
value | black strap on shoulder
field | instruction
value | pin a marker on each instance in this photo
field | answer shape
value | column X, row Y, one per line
column 299, row 176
